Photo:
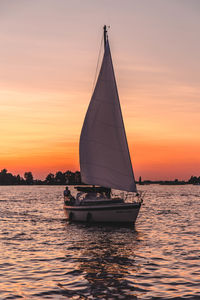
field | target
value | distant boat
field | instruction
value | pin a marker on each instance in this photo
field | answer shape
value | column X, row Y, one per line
column 104, row 157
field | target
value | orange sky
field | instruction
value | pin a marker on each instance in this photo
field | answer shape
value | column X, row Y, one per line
column 48, row 56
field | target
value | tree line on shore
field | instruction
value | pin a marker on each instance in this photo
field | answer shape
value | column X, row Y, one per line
column 72, row 178
column 59, row 178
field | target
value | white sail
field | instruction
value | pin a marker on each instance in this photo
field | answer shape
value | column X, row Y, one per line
column 104, row 153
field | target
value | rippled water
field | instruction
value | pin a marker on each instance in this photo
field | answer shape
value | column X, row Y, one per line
column 44, row 257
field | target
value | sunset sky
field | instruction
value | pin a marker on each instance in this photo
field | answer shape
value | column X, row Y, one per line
column 48, row 58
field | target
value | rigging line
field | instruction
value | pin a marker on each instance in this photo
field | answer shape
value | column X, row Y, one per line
column 95, row 77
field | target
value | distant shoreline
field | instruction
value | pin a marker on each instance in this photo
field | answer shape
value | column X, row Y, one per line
column 74, row 178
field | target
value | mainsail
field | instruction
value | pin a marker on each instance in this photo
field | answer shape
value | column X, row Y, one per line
column 103, row 148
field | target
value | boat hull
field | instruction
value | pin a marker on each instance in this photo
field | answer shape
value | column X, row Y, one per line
column 120, row 213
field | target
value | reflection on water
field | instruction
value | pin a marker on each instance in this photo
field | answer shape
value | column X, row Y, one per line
column 44, row 257
column 106, row 261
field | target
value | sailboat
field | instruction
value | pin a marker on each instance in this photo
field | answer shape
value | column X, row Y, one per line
column 105, row 161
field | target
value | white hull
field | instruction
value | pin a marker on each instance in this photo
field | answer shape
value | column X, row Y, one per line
column 116, row 213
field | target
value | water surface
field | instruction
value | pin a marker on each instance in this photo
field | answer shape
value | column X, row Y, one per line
column 44, row 257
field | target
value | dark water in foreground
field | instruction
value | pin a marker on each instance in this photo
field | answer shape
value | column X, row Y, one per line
column 44, row 257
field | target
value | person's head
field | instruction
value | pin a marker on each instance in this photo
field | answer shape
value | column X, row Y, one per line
column 66, row 188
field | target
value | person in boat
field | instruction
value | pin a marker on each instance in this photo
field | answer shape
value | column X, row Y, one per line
column 69, row 199
column 108, row 192
column 78, row 200
column 66, row 192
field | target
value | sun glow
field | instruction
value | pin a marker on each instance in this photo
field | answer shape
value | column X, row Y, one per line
column 46, row 78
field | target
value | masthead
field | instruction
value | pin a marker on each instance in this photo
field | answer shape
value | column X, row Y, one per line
column 105, row 35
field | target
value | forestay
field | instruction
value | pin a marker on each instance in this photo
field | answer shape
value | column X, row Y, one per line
column 104, row 153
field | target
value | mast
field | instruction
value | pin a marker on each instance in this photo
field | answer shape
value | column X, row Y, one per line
column 105, row 35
